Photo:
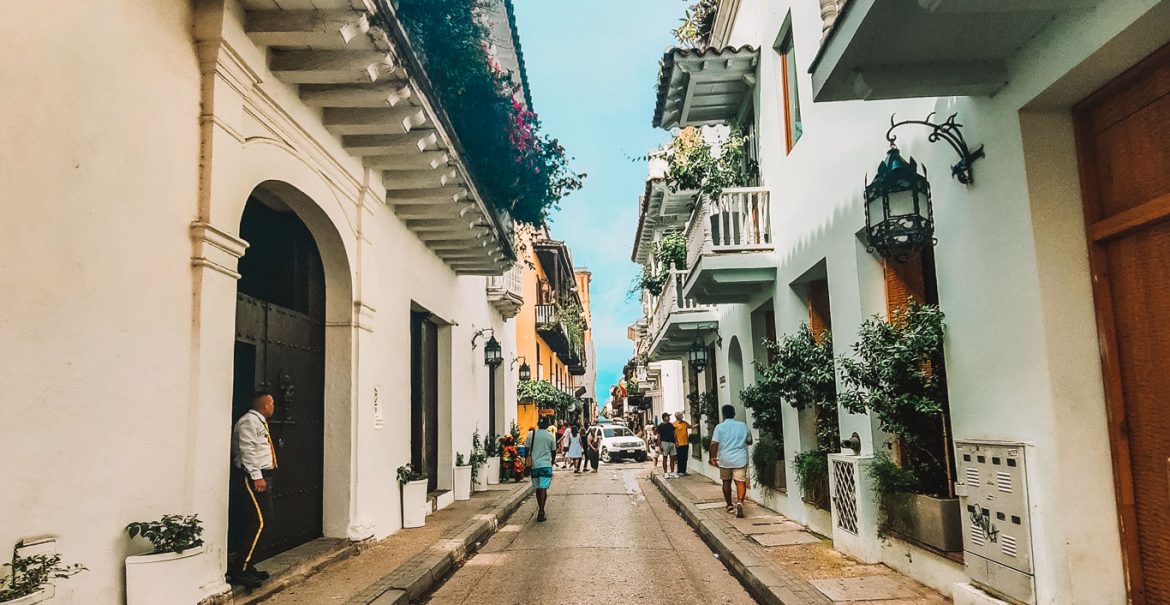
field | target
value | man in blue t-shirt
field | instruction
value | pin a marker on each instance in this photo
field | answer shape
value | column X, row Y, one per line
column 730, row 453
column 542, row 449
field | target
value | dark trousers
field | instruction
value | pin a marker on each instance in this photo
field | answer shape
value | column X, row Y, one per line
column 591, row 458
column 683, row 456
column 257, row 508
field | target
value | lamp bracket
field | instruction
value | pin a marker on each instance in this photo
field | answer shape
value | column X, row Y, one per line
column 481, row 332
column 951, row 132
column 515, row 359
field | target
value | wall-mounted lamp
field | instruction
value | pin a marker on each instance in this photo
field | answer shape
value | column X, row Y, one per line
column 697, row 355
column 493, row 354
column 951, row 132
column 525, row 371
column 899, row 218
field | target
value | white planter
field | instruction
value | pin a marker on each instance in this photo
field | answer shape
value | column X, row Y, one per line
column 462, row 482
column 492, row 469
column 43, row 594
column 481, row 479
column 414, row 503
column 170, row 577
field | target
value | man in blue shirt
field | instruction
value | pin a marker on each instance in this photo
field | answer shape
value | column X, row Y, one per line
column 730, row 453
column 542, row 448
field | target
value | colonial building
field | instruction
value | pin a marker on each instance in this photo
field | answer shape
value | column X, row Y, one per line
column 207, row 198
column 1038, row 211
column 553, row 341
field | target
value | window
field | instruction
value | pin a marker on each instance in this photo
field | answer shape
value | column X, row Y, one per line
column 790, row 93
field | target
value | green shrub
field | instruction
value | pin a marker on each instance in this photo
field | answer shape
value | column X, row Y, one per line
column 29, row 574
column 172, row 533
column 812, row 474
column 407, row 473
column 766, row 454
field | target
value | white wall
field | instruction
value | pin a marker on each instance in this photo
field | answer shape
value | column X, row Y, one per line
column 118, row 356
column 1013, row 277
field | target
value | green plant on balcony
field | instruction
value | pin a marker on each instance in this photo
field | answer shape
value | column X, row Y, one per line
column 544, row 395
column 671, row 250
column 692, row 164
column 649, row 281
column 517, row 168
column 570, row 314
column 699, row 20
column 896, row 373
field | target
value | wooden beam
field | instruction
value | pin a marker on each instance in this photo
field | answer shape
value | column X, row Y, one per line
column 318, row 29
column 450, row 236
column 389, row 144
column 444, row 224
column 363, row 120
column 378, row 94
column 334, row 66
column 431, row 195
column 400, row 180
column 434, row 211
column 1004, row 6
column 408, row 161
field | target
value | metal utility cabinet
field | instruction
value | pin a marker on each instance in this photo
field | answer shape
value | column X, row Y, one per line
column 993, row 490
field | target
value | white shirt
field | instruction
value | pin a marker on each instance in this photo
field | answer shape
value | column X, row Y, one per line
column 251, row 448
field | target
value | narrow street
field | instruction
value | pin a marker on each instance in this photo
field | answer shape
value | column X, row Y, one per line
column 610, row 537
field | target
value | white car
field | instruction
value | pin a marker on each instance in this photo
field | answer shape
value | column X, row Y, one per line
column 617, row 442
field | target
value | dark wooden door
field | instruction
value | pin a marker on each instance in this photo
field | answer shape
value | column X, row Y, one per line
column 1123, row 134
column 424, row 397
column 280, row 348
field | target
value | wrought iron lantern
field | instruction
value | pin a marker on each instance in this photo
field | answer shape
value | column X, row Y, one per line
column 697, row 356
column 525, row 372
column 493, row 355
column 899, row 219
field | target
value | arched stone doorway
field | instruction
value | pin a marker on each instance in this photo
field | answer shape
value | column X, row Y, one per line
column 280, row 348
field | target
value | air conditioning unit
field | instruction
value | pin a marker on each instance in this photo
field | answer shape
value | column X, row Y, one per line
column 997, row 533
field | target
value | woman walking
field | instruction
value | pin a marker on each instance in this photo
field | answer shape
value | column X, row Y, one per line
column 574, row 448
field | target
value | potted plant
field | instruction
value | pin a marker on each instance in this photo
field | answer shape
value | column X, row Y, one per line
column 463, row 470
column 897, row 374
column 414, row 496
column 671, row 251
column 492, row 466
column 768, row 463
column 30, row 577
column 166, row 572
column 478, row 460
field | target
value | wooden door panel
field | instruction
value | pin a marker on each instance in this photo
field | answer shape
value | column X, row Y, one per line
column 1132, row 157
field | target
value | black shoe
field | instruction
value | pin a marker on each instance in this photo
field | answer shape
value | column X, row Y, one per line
column 540, row 517
column 245, row 579
column 262, row 575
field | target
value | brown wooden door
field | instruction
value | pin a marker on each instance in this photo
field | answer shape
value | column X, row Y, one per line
column 1123, row 134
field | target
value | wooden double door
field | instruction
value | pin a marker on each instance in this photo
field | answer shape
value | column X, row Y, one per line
column 1123, row 135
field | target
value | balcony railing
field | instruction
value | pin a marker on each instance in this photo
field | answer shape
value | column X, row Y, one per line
column 506, row 292
column 670, row 301
column 547, row 315
column 739, row 221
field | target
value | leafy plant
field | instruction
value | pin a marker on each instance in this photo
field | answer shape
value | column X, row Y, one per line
column 649, row 281
column 896, row 373
column 459, row 461
column 407, row 473
column 697, row 24
column 692, row 165
column 763, row 399
column 812, row 474
column 802, row 369
column 707, row 443
column 172, row 533
column 29, row 574
column 514, row 430
column 544, row 394
column 889, row 481
column 766, row 454
column 491, row 447
column 516, row 167
column 478, row 455
column 696, row 439
column 569, row 312
column 671, row 250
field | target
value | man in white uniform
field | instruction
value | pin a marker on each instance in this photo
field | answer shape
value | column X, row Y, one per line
column 254, row 463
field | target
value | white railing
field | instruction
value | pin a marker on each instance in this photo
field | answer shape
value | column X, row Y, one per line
column 670, row 301
column 510, row 282
column 547, row 314
column 739, row 221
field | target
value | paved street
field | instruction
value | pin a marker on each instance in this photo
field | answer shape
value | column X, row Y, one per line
column 610, row 538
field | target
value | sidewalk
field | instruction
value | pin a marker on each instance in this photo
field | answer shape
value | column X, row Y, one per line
column 407, row 564
column 779, row 561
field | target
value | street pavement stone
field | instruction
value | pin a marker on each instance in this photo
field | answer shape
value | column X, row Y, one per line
column 610, row 537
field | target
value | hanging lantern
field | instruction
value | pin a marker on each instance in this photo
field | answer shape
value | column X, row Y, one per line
column 492, row 353
column 697, row 355
column 899, row 220
column 525, row 372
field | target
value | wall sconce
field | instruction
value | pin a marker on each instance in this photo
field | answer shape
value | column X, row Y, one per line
column 697, row 355
column 899, row 218
column 952, row 133
column 492, row 352
column 525, row 371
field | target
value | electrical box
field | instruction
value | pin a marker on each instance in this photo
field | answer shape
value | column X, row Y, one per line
column 997, row 532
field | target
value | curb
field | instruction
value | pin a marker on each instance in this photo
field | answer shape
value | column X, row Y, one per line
column 757, row 576
column 416, row 576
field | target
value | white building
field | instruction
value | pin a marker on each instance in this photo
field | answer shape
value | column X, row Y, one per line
column 205, row 198
column 1056, row 330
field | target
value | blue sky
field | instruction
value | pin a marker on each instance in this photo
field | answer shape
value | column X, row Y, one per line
column 592, row 69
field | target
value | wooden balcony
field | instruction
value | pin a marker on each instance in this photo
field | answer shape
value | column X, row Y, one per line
column 675, row 320
column 730, row 252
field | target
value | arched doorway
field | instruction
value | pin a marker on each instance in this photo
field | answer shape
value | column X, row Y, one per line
column 280, row 347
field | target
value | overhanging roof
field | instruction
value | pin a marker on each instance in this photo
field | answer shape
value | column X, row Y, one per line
column 705, row 87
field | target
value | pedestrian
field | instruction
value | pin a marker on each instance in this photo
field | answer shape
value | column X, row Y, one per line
column 651, row 437
column 682, row 431
column 254, row 464
column 542, row 446
column 666, row 442
column 574, row 450
column 730, row 453
column 589, row 447
column 564, row 444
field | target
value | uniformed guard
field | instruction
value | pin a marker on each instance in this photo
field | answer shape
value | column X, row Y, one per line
column 254, row 462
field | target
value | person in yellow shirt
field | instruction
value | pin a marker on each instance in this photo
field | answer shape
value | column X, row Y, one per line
column 682, row 430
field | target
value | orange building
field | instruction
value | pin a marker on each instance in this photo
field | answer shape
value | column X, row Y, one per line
column 552, row 327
